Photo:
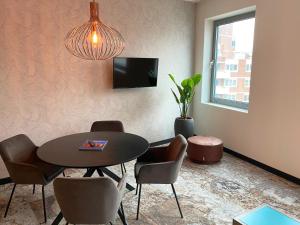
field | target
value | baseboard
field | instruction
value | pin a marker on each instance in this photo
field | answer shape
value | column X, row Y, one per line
column 6, row 180
column 263, row 166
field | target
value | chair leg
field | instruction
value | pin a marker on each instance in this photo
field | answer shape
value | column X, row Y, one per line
column 100, row 173
column 33, row 189
column 177, row 200
column 136, row 189
column 89, row 172
column 124, row 167
column 63, row 173
column 139, row 199
column 9, row 201
column 123, row 210
column 122, row 216
column 44, row 204
column 121, row 213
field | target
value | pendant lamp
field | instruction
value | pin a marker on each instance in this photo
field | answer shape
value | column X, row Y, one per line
column 94, row 40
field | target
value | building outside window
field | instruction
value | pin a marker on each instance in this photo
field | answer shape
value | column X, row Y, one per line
column 232, row 47
column 219, row 66
column 228, row 97
column 248, row 67
column 232, row 67
column 233, row 44
column 246, row 98
column 246, row 83
column 230, row 83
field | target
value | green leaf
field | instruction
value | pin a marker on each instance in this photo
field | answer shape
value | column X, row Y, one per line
column 191, row 83
column 172, row 78
column 196, row 78
column 184, row 83
column 175, row 96
column 180, row 90
column 182, row 99
column 191, row 97
column 174, row 81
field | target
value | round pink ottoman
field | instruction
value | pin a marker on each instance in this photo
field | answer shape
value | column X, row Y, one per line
column 205, row 150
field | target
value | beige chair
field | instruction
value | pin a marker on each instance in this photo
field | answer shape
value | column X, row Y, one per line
column 109, row 125
column 160, row 165
column 90, row 200
column 24, row 167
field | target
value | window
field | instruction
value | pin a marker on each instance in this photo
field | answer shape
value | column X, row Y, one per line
column 246, row 82
column 230, row 83
column 232, row 44
column 219, row 66
column 248, row 68
column 230, row 97
column 232, row 67
column 246, row 98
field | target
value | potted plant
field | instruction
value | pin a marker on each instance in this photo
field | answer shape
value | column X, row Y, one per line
column 184, row 124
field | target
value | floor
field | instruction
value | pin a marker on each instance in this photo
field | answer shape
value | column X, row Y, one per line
column 209, row 195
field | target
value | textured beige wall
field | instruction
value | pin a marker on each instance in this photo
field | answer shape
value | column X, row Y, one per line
column 270, row 131
column 45, row 92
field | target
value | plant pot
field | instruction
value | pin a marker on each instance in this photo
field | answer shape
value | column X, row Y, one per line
column 184, row 126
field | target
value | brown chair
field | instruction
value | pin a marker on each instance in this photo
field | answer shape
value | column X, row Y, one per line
column 90, row 200
column 24, row 167
column 160, row 165
column 109, row 125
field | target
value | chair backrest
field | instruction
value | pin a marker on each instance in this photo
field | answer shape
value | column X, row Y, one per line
column 176, row 149
column 108, row 125
column 17, row 149
column 176, row 152
column 167, row 169
column 87, row 200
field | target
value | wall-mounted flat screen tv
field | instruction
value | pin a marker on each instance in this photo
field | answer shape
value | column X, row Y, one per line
column 135, row 72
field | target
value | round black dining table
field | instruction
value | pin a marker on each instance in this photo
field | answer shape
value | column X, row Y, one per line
column 120, row 148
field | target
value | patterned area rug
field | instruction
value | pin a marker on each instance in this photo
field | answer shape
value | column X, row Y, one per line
column 208, row 194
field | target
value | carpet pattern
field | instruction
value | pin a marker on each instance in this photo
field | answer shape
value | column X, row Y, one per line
column 208, row 194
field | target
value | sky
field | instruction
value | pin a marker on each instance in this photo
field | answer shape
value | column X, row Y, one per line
column 243, row 33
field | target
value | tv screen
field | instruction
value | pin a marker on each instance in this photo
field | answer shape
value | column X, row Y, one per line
column 135, row 72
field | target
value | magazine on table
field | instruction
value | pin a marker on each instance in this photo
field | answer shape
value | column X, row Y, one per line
column 93, row 145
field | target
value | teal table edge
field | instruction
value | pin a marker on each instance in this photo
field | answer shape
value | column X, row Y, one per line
column 265, row 215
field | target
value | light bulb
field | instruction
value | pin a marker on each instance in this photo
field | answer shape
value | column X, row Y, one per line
column 94, row 38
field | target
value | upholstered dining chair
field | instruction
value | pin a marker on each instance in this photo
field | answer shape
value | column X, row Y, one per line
column 90, row 200
column 160, row 165
column 109, row 125
column 24, row 167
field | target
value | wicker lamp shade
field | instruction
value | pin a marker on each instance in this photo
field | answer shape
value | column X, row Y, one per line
column 94, row 40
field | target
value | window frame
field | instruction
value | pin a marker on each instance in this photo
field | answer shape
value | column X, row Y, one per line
column 217, row 23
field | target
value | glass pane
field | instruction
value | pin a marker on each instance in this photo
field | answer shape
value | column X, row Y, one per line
column 234, row 60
